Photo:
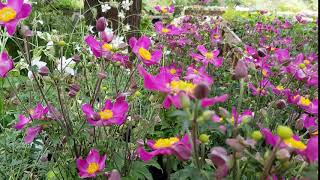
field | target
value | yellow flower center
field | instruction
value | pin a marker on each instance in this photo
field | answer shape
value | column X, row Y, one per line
column 145, row 54
column 7, row 14
column 291, row 142
column 305, row 101
column 107, row 47
column 92, row 168
column 302, row 66
column 173, row 71
column 164, row 10
column 106, row 114
column 280, row 88
column 31, row 112
column 195, row 71
column 209, row 55
column 264, row 73
column 296, row 96
column 261, row 90
column 165, row 30
column 306, row 62
column 216, row 36
column 177, row 86
column 272, row 49
column 165, row 142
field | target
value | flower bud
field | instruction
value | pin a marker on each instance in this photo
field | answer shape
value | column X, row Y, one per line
column 137, row 94
column 25, row 31
column 102, row 75
column 75, row 87
column 284, row 132
column 299, row 124
column 283, row 154
column 204, row 138
column 223, row 129
column 44, row 71
column 101, row 24
column 224, row 113
column 262, row 52
column 201, row 91
column 72, row 93
column 76, row 58
column 207, row 115
column 61, row 43
column 241, row 70
column 185, row 101
column 200, row 119
column 114, row 175
column 281, row 104
column 256, row 135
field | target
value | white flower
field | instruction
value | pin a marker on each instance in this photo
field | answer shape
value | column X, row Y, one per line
column 36, row 62
column 66, row 65
column 90, row 29
column 49, row 45
column 121, row 15
column 105, row 7
column 117, row 41
column 127, row 27
column 126, row 4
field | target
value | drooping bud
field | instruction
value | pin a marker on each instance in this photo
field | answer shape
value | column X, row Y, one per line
column 75, row 87
column 72, row 93
column 114, row 175
column 219, row 157
column 283, row 154
column 76, row 58
column 102, row 75
column 299, row 124
column 207, row 115
column 101, row 24
column 284, row 132
column 44, row 71
column 262, row 52
column 25, row 31
column 256, row 135
column 241, row 70
column 201, row 91
column 281, row 104
column 185, row 101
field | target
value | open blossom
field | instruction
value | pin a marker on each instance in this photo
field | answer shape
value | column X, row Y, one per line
column 261, row 90
column 169, row 29
column 99, row 49
column 172, row 69
column 210, row 56
column 215, row 35
column 31, row 133
column 165, row 10
column 36, row 62
column 111, row 114
column 181, row 148
column 198, row 75
column 6, row 64
column 141, row 48
column 12, row 12
column 92, row 165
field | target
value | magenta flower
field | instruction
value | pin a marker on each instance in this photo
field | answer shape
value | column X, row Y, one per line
column 311, row 152
column 281, row 54
column 210, row 57
column 308, row 121
column 99, row 49
column 117, row 57
column 92, row 165
column 165, row 10
column 141, row 48
column 215, row 35
column 6, row 64
column 181, row 148
column 31, row 133
column 166, row 83
column 13, row 12
column 111, row 114
column 37, row 113
column 206, row 102
column 250, row 50
column 239, row 118
column 198, row 75
column 286, row 25
column 219, row 157
column 169, row 29
column 172, row 70
column 261, row 89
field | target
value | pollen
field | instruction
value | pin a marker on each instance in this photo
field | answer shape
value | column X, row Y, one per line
column 304, row 101
column 264, row 73
column 92, row 168
column 173, row 71
column 165, row 142
column 216, row 36
column 7, row 14
column 106, row 114
column 145, row 54
column 164, row 10
column 306, row 62
column 107, row 47
column 165, row 30
column 209, row 55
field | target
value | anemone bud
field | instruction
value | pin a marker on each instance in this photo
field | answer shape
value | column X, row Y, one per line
column 101, row 24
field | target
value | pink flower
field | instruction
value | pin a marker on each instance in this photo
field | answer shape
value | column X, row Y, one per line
column 99, row 49
column 239, row 118
column 219, row 157
column 31, row 133
column 111, row 114
column 311, row 152
column 198, row 75
column 92, row 165
column 282, row 54
column 210, row 57
column 206, row 102
column 13, row 12
column 261, row 89
column 6, row 64
column 141, row 48
column 165, row 10
column 215, row 35
column 172, row 69
column 169, row 29
column 166, row 146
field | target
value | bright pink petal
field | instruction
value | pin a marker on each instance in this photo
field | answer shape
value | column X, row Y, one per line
column 31, row 133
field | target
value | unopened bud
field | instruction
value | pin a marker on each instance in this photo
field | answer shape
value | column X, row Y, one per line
column 283, row 154
column 207, row 115
column 74, row 87
column 61, row 43
column 76, row 58
column 241, row 70
column 185, row 101
column 281, row 104
column 25, row 31
column 201, row 91
column 204, row 138
column 256, row 135
column 101, row 24
column 72, row 93
column 102, row 75
column 44, row 71
column 284, row 132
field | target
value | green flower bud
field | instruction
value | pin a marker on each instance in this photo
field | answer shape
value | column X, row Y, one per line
column 200, row 119
column 137, row 94
column 284, row 132
column 207, row 115
column 61, row 43
column 204, row 138
column 185, row 101
column 256, row 135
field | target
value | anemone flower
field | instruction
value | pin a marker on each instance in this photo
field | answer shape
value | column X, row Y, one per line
column 99, row 49
column 6, row 64
column 181, row 148
column 165, row 10
column 172, row 69
column 198, row 75
column 206, row 102
column 237, row 119
column 111, row 114
column 166, row 30
column 12, row 12
column 92, row 165
column 141, row 48
column 210, row 56
column 215, row 35
column 31, row 133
